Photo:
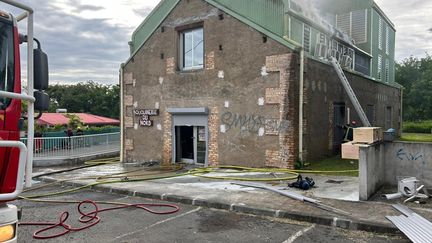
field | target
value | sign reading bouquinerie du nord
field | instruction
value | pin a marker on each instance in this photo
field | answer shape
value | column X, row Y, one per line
column 147, row 112
column 145, row 115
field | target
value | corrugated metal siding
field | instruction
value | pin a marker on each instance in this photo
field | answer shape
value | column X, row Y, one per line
column 153, row 20
column 268, row 14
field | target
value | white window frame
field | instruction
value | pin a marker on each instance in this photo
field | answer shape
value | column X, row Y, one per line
column 182, row 57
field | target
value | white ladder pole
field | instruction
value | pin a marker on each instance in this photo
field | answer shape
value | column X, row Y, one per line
column 350, row 92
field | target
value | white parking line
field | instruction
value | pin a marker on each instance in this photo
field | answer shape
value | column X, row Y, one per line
column 157, row 223
column 298, row 234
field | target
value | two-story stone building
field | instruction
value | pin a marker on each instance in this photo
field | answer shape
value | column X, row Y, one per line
column 248, row 82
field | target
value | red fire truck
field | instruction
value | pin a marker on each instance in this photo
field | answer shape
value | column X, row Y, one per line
column 15, row 158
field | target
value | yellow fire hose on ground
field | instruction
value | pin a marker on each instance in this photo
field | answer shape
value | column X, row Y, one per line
column 171, row 171
column 145, row 174
column 203, row 172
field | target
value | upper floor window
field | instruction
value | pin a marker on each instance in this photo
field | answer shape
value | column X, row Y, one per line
column 387, row 42
column 379, row 67
column 306, row 38
column 387, row 70
column 354, row 24
column 359, row 26
column 192, row 49
column 380, row 35
column 362, row 63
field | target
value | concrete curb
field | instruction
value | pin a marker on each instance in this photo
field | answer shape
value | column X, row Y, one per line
column 350, row 224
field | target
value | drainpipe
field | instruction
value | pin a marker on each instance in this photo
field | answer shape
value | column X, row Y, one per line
column 301, row 85
column 301, row 93
column 301, row 81
column 121, row 113
column 401, row 112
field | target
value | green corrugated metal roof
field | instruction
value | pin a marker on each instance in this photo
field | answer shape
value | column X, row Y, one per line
column 265, row 16
column 151, row 23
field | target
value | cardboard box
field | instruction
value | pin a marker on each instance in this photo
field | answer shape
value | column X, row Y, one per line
column 367, row 135
column 351, row 150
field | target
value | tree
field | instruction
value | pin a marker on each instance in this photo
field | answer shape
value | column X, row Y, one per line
column 416, row 76
column 88, row 97
column 74, row 121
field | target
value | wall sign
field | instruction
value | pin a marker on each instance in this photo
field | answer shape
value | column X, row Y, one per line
column 145, row 115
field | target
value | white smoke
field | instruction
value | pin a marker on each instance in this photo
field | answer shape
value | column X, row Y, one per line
column 313, row 9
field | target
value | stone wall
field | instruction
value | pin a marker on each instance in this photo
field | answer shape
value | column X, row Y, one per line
column 248, row 84
column 323, row 89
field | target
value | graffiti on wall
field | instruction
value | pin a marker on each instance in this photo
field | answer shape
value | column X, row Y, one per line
column 249, row 122
column 253, row 123
column 401, row 154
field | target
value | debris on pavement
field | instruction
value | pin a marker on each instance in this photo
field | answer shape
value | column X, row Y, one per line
column 409, row 187
column 414, row 226
column 295, row 196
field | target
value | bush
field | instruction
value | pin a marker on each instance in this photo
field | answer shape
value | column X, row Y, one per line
column 417, row 127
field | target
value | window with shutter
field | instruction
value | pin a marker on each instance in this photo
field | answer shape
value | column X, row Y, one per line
column 380, row 30
column 359, row 26
column 306, row 38
column 379, row 66
column 343, row 23
column 387, row 40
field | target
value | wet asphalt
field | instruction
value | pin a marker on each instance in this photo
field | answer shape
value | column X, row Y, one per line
column 189, row 224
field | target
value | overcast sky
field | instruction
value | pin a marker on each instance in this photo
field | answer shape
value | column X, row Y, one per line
column 87, row 39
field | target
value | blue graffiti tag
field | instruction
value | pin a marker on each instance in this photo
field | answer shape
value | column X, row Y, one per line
column 401, row 154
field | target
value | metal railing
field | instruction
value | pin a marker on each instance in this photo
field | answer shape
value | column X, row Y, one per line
column 75, row 146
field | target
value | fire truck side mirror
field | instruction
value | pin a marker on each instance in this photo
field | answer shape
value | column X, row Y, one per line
column 42, row 100
column 40, row 69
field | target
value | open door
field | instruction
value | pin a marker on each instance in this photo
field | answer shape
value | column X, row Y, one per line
column 191, row 144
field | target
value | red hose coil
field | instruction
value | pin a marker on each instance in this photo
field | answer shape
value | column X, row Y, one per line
column 91, row 218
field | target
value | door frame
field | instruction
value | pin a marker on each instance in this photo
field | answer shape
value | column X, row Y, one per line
column 178, row 146
column 335, row 145
column 195, row 136
column 196, row 117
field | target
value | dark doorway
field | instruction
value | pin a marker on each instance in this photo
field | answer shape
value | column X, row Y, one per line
column 185, row 144
column 338, row 125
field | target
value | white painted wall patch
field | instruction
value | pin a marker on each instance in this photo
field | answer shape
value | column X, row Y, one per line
column 226, row 104
column 159, row 127
column 157, row 105
column 221, row 74
column 161, row 79
column 136, row 126
column 264, row 71
column 135, row 104
column 261, row 132
column 222, row 128
column 261, row 101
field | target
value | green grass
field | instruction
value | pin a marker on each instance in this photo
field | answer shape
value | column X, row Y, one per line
column 417, row 126
column 333, row 164
column 416, row 137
